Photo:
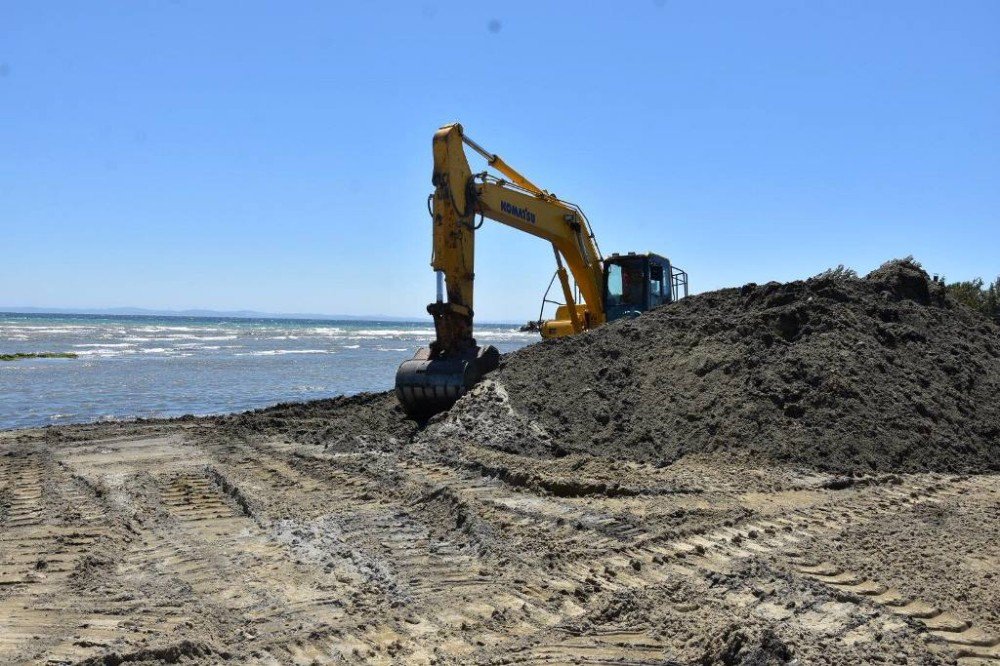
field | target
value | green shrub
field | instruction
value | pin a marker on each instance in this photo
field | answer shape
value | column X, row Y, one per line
column 978, row 295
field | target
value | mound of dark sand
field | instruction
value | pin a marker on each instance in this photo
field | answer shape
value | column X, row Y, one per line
column 837, row 372
column 364, row 421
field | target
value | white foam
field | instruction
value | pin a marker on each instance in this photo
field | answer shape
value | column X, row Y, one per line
column 105, row 344
column 281, row 352
column 106, row 352
column 169, row 329
column 188, row 336
column 391, row 332
column 501, row 335
column 324, row 330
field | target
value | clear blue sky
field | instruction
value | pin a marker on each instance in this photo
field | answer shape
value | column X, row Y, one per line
column 276, row 156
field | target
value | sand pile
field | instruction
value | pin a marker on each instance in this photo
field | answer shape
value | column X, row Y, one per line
column 838, row 372
column 345, row 423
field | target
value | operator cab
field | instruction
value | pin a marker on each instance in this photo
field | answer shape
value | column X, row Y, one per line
column 634, row 283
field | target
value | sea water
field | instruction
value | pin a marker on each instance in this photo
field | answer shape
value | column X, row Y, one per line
column 146, row 366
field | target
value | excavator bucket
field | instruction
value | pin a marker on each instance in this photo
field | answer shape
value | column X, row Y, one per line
column 426, row 386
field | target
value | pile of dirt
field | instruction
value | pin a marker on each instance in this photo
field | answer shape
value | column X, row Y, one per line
column 836, row 372
column 346, row 423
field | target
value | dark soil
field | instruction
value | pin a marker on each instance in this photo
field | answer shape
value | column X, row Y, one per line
column 839, row 373
column 836, row 372
column 345, row 423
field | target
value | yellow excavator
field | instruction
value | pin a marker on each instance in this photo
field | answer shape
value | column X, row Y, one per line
column 603, row 289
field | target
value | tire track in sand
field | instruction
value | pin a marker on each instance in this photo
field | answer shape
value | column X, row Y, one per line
column 651, row 560
column 233, row 566
column 629, row 563
column 441, row 593
column 42, row 614
column 971, row 644
column 234, row 541
column 190, row 563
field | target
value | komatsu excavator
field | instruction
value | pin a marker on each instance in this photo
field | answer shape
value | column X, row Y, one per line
column 603, row 289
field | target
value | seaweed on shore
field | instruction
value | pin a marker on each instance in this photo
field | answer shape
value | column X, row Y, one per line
column 22, row 356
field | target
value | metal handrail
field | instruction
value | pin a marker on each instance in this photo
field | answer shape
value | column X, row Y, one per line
column 678, row 280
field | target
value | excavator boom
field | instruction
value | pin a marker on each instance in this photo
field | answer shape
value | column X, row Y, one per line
column 440, row 373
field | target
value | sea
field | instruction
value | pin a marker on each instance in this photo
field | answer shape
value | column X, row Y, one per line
column 149, row 366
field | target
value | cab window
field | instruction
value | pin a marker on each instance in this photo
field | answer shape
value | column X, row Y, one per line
column 614, row 284
column 656, row 281
column 655, row 285
column 625, row 288
column 632, row 286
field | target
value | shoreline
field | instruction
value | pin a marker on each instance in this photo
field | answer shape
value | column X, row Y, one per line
column 155, row 367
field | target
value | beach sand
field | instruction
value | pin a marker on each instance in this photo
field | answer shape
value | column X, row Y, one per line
column 196, row 541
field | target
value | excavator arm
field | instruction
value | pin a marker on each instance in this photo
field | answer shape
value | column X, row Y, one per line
column 565, row 227
column 453, row 362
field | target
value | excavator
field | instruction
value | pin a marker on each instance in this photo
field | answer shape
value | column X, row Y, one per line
column 603, row 288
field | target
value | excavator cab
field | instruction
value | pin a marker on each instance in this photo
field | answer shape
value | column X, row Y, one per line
column 634, row 283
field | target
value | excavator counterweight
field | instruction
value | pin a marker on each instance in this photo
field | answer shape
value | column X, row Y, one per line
column 439, row 374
